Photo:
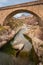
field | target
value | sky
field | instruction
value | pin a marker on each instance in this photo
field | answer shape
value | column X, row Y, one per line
column 20, row 14
column 12, row 2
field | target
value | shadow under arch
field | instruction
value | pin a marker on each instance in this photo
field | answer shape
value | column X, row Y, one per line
column 21, row 11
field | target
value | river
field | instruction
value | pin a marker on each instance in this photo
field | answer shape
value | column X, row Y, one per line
column 9, row 60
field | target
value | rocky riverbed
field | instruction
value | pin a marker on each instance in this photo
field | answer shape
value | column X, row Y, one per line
column 36, row 34
column 6, row 34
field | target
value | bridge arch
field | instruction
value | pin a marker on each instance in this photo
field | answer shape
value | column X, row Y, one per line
column 21, row 11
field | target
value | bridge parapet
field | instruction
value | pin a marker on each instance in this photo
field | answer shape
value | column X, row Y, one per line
column 22, row 5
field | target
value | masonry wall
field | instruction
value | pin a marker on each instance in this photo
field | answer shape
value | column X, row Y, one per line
column 37, row 9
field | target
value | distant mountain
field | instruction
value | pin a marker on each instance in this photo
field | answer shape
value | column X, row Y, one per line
column 24, row 16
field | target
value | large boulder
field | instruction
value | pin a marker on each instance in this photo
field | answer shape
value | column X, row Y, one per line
column 36, row 34
column 5, row 34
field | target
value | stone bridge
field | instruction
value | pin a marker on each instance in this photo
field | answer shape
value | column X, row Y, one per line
column 35, row 8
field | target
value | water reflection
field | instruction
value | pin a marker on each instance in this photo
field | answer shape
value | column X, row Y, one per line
column 6, row 59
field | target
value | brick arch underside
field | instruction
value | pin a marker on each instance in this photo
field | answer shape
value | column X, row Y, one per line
column 21, row 11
